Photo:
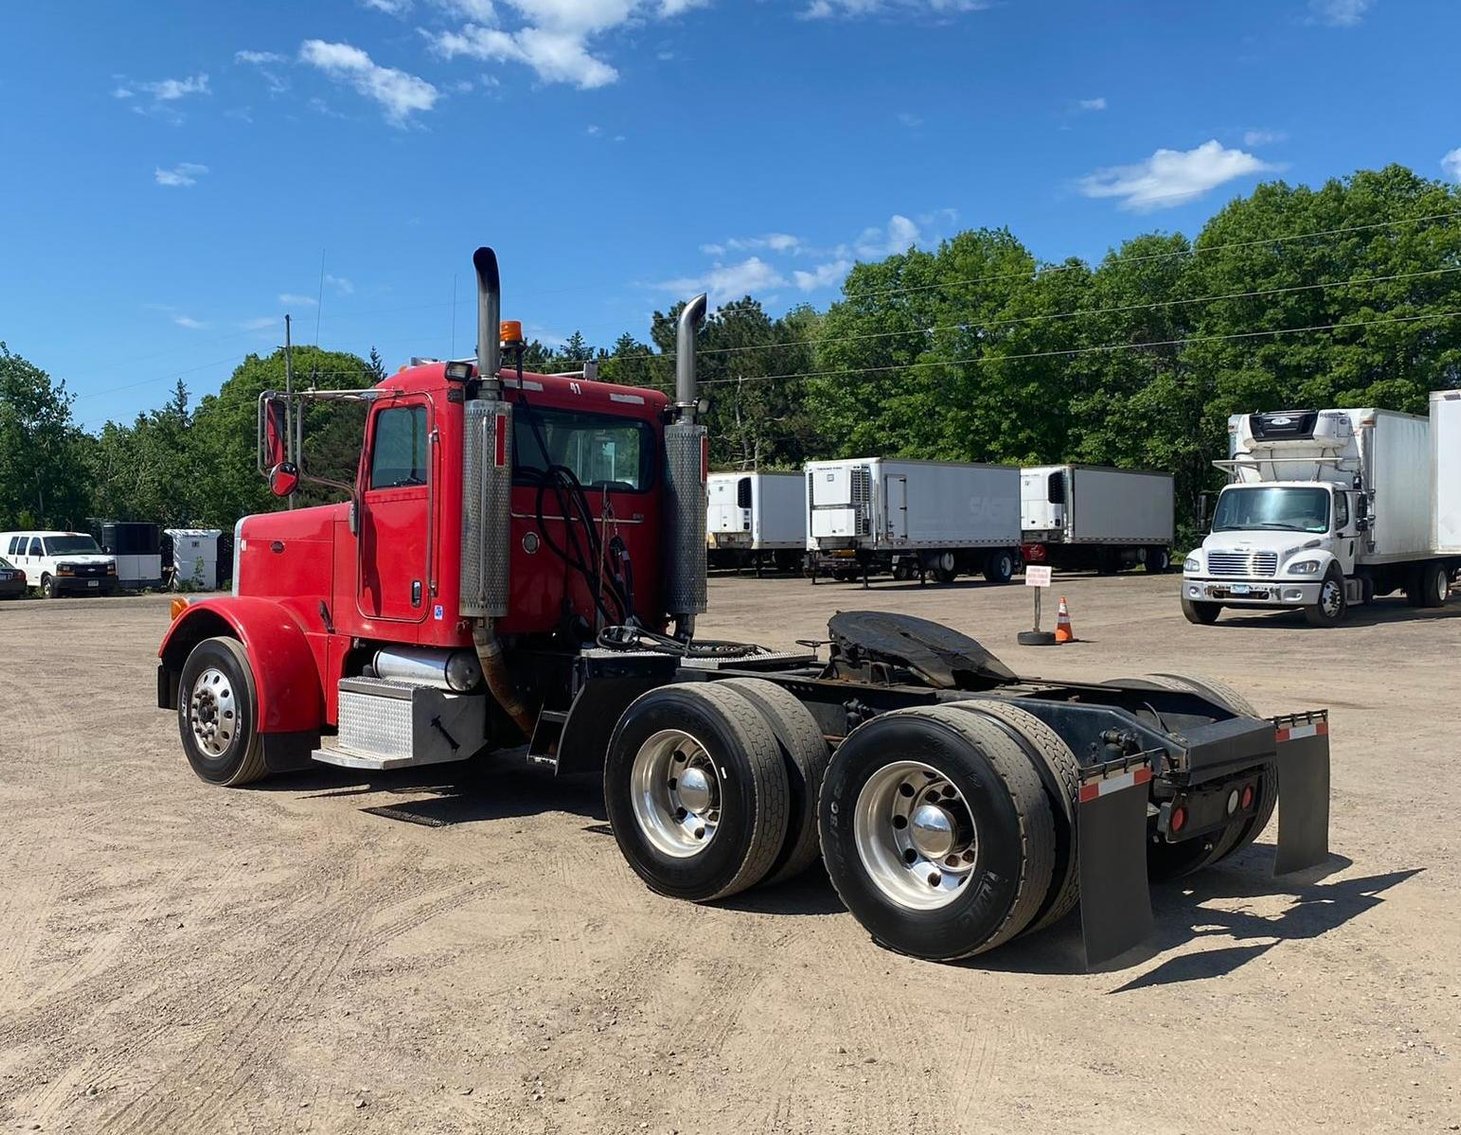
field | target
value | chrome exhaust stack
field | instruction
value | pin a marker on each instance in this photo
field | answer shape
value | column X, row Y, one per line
column 487, row 495
column 687, row 461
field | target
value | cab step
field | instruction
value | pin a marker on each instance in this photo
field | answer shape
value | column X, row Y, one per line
column 386, row 724
column 546, row 734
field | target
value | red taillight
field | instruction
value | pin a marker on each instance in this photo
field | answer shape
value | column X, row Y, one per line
column 1247, row 796
column 1177, row 820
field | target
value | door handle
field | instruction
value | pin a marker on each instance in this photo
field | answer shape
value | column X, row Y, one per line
column 415, row 593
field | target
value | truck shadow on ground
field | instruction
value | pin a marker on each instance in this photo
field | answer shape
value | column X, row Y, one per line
column 1379, row 613
column 1183, row 916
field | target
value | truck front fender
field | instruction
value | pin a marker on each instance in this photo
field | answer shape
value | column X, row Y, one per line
column 286, row 678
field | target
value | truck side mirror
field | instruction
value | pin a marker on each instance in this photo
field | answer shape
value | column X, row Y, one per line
column 273, row 434
column 1362, row 524
column 283, row 478
column 1204, row 501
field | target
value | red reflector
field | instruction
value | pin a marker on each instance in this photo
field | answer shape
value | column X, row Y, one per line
column 705, row 459
column 1178, row 819
column 499, row 452
column 1248, row 796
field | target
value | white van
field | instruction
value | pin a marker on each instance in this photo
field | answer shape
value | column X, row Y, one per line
column 61, row 563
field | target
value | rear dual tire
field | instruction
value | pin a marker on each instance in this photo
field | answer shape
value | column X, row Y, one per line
column 937, row 832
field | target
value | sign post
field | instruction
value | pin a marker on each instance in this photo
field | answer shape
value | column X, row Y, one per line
column 1038, row 577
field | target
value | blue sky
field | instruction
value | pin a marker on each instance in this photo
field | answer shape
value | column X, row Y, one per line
column 175, row 173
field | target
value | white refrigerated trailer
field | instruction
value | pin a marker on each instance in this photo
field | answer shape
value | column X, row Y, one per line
column 755, row 519
column 1446, row 464
column 1326, row 509
column 1090, row 516
column 912, row 518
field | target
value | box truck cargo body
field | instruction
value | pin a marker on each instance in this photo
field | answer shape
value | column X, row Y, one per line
column 913, row 517
column 1446, row 462
column 756, row 518
column 1088, row 516
column 1324, row 509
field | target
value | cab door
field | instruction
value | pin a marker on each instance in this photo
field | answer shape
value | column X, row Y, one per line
column 1346, row 533
column 396, row 514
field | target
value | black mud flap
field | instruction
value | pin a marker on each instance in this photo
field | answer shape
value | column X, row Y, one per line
column 1303, row 790
column 1111, row 833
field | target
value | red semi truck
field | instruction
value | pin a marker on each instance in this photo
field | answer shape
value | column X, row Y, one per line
column 516, row 574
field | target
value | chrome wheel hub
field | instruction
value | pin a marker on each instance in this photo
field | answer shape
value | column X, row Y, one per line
column 1329, row 597
column 915, row 835
column 675, row 791
column 213, row 712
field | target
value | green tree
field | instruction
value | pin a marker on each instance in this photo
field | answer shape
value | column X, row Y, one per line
column 43, row 468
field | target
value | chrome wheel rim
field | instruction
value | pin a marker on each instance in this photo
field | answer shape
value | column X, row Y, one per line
column 675, row 790
column 213, row 712
column 915, row 835
column 1330, row 596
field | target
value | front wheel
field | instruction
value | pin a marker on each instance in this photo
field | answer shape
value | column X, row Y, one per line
column 1203, row 614
column 937, row 832
column 218, row 714
column 1332, row 606
column 48, row 587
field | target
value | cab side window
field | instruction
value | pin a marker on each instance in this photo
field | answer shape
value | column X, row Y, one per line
column 398, row 457
column 35, row 546
column 1341, row 512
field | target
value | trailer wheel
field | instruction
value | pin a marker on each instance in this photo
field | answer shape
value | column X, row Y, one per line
column 937, row 832
column 217, row 714
column 1157, row 560
column 1061, row 774
column 804, row 756
column 696, row 791
column 999, row 566
column 1201, row 614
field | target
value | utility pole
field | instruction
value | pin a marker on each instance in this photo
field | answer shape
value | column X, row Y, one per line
column 289, row 415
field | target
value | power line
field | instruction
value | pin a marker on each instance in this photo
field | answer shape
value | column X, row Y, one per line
column 1078, row 313
column 1105, row 348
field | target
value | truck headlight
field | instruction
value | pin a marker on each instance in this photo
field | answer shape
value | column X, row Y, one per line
column 1304, row 567
column 111, row 569
column 1192, row 564
column 65, row 569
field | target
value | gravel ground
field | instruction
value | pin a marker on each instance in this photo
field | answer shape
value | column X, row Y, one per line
column 179, row 958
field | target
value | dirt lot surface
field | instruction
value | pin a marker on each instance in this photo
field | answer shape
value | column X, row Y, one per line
column 180, row 958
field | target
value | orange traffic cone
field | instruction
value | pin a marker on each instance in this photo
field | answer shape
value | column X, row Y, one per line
column 1063, row 633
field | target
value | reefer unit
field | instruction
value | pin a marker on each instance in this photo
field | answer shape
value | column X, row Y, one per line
column 137, row 548
column 752, row 513
column 929, row 515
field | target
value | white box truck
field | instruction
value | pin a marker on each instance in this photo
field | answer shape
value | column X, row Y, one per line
column 1090, row 516
column 1446, row 463
column 755, row 519
column 1324, row 509
column 912, row 518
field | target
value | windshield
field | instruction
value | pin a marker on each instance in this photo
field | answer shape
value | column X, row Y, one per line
column 71, row 546
column 1272, row 508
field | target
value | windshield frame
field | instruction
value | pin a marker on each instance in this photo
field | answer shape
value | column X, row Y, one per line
column 49, row 544
column 1231, row 493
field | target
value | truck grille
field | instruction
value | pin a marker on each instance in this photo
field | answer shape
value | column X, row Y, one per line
column 1251, row 565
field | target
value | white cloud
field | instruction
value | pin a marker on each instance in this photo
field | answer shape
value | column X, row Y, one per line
column 261, row 323
column 1340, row 13
column 341, row 284
column 852, row 9
column 1263, row 137
column 288, row 298
column 1451, row 163
column 180, row 176
column 389, row 7
column 165, row 94
column 122, row 93
column 189, row 322
column 1171, row 177
column 259, row 57
column 553, row 37
column 899, row 236
column 399, row 93
column 170, row 90
column 1092, row 104
column 823, row 276
column 912, row 121
column 729, row 281
column 774, row 242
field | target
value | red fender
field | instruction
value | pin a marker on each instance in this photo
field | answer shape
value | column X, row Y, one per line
column 286, row 678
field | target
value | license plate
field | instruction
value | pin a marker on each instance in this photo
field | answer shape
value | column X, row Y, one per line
column 1239, row 588
column 93, row 583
